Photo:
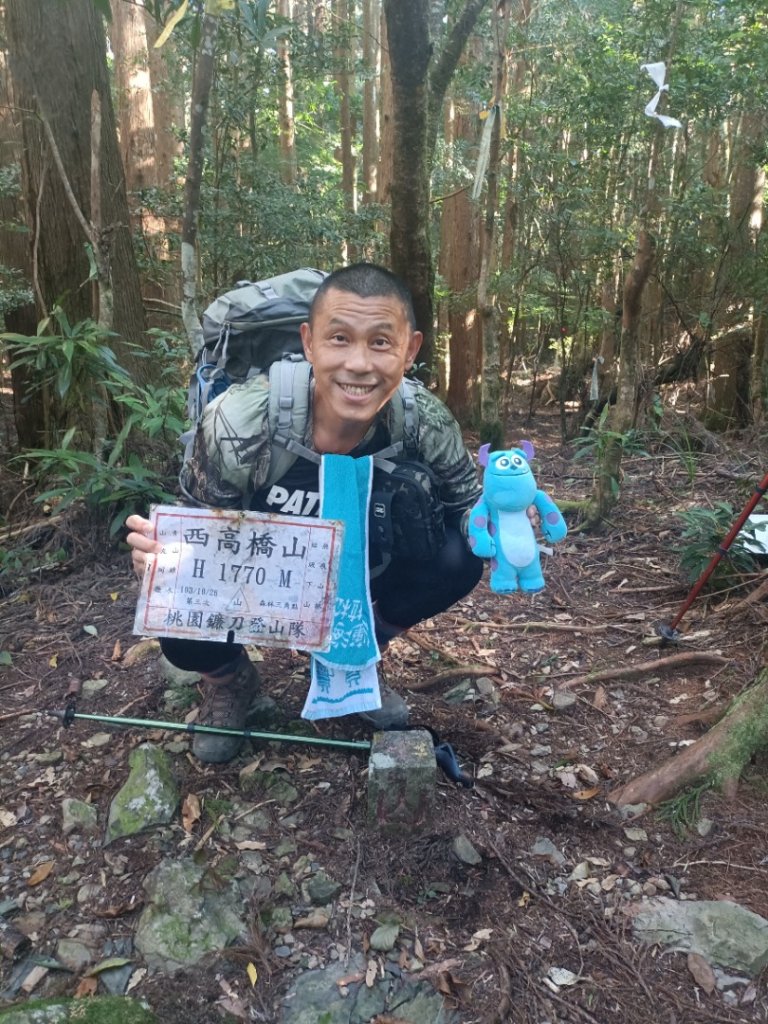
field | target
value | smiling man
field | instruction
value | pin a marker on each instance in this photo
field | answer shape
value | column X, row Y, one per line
column 360, row 340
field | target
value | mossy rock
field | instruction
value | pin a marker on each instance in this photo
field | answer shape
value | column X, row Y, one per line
column 99, row 1010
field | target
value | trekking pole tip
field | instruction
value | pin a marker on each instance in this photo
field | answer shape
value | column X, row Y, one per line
column 667, row 633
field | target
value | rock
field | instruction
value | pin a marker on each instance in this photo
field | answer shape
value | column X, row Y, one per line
column 284, row 886
column 98, row 1010
column 99, row 739
column 74, row 955
column 562, row 699
column 632, row 810
column 704, row 826
column 48, row 757
column 315, row 996
column 722, row 932
column 281, row 919
column 78, row 816
column 265, row 714
column 275, row 784
column 148, row 798
column 465, row 851
column 321, row 888
column 186, row 919
column 177, row 677
column 546, row 848
column 487, row 690
column 89, row 894
column 401, row 780
column 93, row 686
column 115, row 979
column 636, row 835
column 459, row 693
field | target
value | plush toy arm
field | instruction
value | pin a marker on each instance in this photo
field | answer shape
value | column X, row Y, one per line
column 479, row 530
column 553, row 525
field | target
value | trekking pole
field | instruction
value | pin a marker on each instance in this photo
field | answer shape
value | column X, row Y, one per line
column 69, row 715
column 668, row 631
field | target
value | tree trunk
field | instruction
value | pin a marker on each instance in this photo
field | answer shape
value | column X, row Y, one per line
column 201, row 94
column 719, row 756
column 459, row 254
column 345, row 22
column 21, row 317
column 58, row 59
column 288, row 165
column 372, row 71
column 732, row 385
column 491, row 427
column 386, row 122
column 409, row 54
column 133, row 87
column 58, row 63
column 146, row 140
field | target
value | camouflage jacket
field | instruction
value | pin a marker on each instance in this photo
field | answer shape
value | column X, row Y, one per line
column 231, row 454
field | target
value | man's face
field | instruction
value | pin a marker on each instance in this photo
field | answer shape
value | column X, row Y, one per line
column 359, row 350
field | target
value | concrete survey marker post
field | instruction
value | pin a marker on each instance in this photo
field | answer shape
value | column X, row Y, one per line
column 241, row 577
column 401, row 780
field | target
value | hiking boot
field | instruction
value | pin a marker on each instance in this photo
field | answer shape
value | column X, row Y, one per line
column 393, row 713
column 225, row 706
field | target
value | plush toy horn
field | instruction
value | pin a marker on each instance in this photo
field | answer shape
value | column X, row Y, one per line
column 482, row 455
column 527, row 449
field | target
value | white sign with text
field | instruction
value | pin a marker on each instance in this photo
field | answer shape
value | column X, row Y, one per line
column 243, row 577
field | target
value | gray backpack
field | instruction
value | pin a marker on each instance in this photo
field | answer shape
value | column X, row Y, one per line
column 254, row 329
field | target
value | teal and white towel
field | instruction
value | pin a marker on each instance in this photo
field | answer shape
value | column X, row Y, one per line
column 344, row 680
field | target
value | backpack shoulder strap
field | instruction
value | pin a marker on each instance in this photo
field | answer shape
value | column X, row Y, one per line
column 288, row 414
column 404, row 424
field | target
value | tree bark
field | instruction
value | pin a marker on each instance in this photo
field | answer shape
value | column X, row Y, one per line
column 459, row 255
column 732, row 384
column 288, row 165
column 411, row 254
column 201, row 93
column 344, row 26
column 386, row 121
column 491, row 428
column 372, row 71
column 21, row 318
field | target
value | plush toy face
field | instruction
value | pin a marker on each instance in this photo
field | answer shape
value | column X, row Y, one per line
column 509, row 484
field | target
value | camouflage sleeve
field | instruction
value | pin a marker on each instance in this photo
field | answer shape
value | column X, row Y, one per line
column 230, row 456
column 442, row 447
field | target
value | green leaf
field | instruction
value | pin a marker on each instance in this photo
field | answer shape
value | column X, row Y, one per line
column 6, row 659
column 108, row 964
column 385, row 937
column 91, row 630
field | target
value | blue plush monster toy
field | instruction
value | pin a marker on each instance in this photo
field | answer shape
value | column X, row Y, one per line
column 499, row 526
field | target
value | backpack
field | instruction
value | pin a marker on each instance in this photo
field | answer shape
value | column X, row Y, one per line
column 254, row 329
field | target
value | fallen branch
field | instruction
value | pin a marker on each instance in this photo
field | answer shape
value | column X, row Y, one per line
column 457, row 672
column 561, row 627
column 633, row 671
column 17, row 714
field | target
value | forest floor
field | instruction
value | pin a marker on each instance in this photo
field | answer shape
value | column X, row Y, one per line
column 488, row 935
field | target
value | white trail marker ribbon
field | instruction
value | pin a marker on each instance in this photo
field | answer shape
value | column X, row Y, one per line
column 658, row 73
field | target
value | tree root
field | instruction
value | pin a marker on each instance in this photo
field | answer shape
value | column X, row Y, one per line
column 721, row 754
column 632, row 671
